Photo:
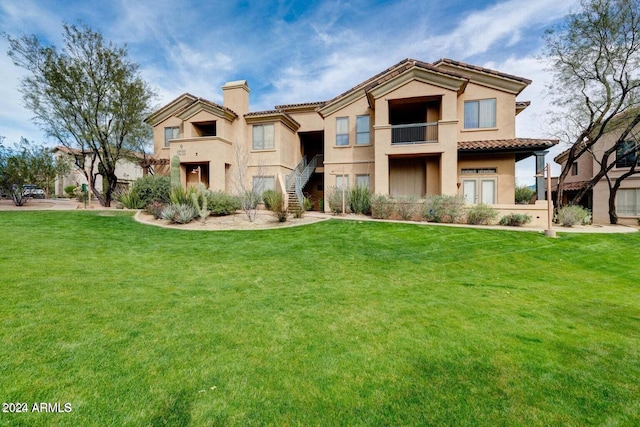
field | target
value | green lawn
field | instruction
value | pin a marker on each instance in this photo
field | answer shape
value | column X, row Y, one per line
column 336, row 323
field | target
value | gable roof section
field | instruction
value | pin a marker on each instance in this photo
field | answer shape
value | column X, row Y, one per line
column 392, row 77
column 485, row 76
column 272, row 115
column 185, row 106
column 202, row 104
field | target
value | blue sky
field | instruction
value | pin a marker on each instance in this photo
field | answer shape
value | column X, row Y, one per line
column 291, row 51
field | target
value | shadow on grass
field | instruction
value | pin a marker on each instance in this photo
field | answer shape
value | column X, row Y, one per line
column 175, row 410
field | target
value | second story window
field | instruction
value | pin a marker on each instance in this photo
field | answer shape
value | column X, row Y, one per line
column 480, row 114
column 172, row 132
column 627, row 154
column 362, row 130
column 342, row 131
column 574, row 169
column 263, row 137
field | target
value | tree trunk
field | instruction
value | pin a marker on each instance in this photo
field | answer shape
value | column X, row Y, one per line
column 613, row 216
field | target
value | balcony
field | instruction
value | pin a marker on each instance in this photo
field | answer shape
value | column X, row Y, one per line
column 414, row 133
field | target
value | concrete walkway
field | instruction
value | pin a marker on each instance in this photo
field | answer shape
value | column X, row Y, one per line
column 67, row 204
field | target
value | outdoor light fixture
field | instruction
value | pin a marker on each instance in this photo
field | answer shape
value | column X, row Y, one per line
column 549, row 232
column 199, row 172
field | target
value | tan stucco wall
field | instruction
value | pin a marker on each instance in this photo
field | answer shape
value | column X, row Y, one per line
column 505, row 114
column 505, row 173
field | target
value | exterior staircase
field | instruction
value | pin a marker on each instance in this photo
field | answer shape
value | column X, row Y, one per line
column 296, row 181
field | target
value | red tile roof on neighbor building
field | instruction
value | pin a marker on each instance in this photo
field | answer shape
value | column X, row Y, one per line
column 507, row 144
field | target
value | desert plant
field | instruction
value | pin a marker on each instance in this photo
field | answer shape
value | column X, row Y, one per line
column 175, row 171
column 130, row 199
column 182, row 213
column 523, row 194
column 276, row 205
column 307, row 203
column 481, row 214
column 570, row 215
column 180, row 196
column 360, row 200
column 199, row 202
column 382, row 207
column 155, row 208
column 406, row 207
column 220, row 203
column 267, row 197
column 443, row 208
column 335, row 197
column 153, row 188
column 515, row 219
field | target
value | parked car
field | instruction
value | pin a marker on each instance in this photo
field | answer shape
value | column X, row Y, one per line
column 30, row 190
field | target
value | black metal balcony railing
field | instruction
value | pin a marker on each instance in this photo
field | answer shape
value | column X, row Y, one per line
column 414, row 133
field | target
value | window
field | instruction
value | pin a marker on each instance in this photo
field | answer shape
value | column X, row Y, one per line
column 362, row 130
column 263, row 183
column 626, row 154
column 574, row 169
column 342, row 131
column 264, row 137
column 628, row 202
column 480, row 114
column 363, row 181
column 170, row 133
column 342, row 180
column 479, row 191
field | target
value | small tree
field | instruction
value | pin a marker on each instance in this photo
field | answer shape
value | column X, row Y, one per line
column 89, row 97
column 249, row 197
column 595, row 58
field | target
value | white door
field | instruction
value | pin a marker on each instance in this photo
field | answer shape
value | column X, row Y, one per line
column 469, row 191
column 488, row 195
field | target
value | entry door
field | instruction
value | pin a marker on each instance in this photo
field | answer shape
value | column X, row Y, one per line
column 469, row 191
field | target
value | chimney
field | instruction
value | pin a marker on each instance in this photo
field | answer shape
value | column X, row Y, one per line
column 235, row 96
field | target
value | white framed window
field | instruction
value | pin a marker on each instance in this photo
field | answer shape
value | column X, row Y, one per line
column 264, row 137
column 480, row 114
column 342, row 181
column 342, row 131
column 171, row 132
column 264, row 183
column 363, row 181
column 363, row 135
column 476, row 191
column 628, row 202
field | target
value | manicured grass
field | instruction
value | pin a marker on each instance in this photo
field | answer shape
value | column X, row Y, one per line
column 336, row 323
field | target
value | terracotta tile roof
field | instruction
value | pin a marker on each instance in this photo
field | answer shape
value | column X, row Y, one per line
column 574, row 186
column 482, row 70
column 506, row 144
column 272, row 113
column 522, row 104
column 302, row 105
column 213, row 104
column 394, row 71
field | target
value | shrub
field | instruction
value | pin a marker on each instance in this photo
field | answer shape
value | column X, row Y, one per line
column 382, row 207
column 481, row 214
column 70, row 191
column 524, row 194
column 359, row 200
column 152, row 188
column 130, row 199
column 334, row 199
column 180, row 196
column 308, row 204
column 443, row 208
column 406, row 207
column 267, row 197
column 571, row 215
column 276, row 205
column 179, row 213
column 155, row 208
column 515, row 219
column 221, row 204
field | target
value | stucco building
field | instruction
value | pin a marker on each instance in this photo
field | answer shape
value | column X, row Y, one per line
column 414, row 129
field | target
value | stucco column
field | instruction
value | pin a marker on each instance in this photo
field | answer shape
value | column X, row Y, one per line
column 449, row 173
column 540, row 192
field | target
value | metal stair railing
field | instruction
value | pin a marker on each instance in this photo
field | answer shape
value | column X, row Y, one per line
column 291, row 178
column 302, row 179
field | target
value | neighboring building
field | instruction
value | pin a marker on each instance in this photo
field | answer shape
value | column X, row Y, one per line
column 415, row 129
column 597, row 199
column 128, row 169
